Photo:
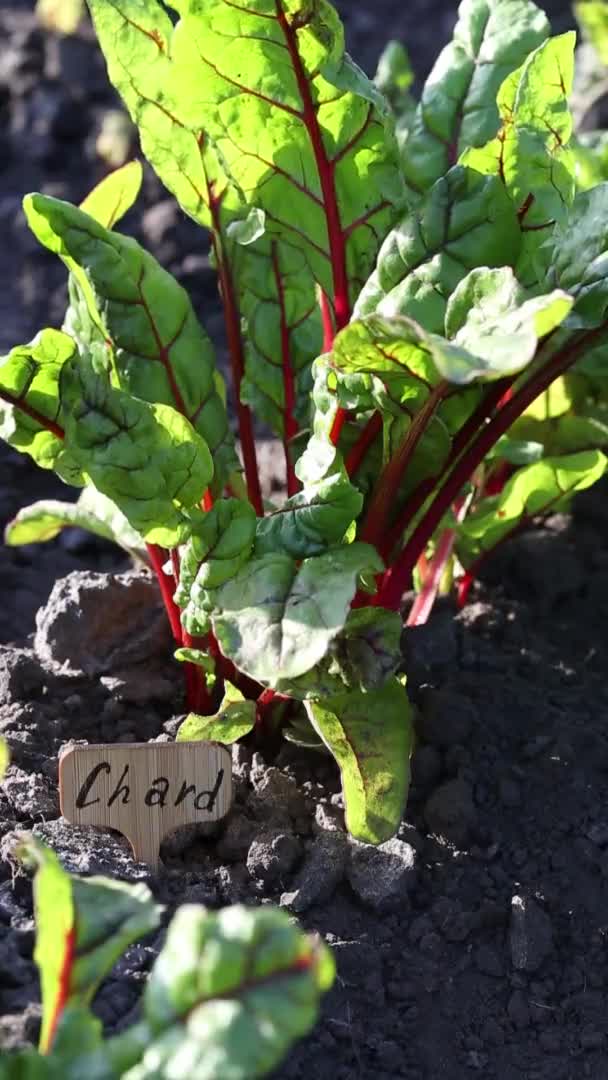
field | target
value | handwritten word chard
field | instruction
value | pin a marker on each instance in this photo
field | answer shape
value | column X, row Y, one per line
column 416, row 302
column 227, row 996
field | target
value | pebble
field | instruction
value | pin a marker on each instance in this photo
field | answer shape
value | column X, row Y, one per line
column 383, row 877
column 530, row 934
column 272, row 855
column 321, row 872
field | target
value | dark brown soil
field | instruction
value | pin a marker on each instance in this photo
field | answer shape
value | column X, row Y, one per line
column 477, row 943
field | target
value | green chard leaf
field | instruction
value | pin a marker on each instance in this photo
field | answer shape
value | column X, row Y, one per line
column 45, row 519
column 493, row 329
column 221, row 542
column 147, row 459
column 394, row 78
column 533, row 491
column 363, row 656
column 575, row 258
column 371, row 738
column 245, row 108
column 110, row 200
column 31, row 418
column 83, row 927
column 230, row 992
column 315, row 519
column 530, row 152
column 276, row 618
column 466, row 220
column 458, row 107
column 592, row 16
column 142, row 317
column 234, row 719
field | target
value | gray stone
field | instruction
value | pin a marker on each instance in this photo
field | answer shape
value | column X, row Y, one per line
column 272, row 855
column 382, row 877
column 530, row 935
column 30, row 794
column 450, row 812
column 20, row 674
column 321, row 872
column 328, row 818
column 277, row 796
column 94, row 624
column 241, row 761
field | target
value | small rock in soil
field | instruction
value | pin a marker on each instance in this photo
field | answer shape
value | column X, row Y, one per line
column 272, row 855
column 277, row 796
column 382, row 877
column 94, row 623
column 20, row 674
column 530, row 936
column 328, row 818
column 320, row 874
column 450, row 812
column 30, row 794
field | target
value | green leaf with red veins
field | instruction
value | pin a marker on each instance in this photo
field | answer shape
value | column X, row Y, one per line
column 234, row 719
column 44, row 520
column 371, row 737
column 575, row 258
column 458, row 106
column 466, row 220
column 530, row 152
column 533, row 491
column 161, row 353
column 147, row 459
column 110, row 200
column 31, row 417
column 316, row 518
column 277, row 617
column 257, row 105
column 83, row 925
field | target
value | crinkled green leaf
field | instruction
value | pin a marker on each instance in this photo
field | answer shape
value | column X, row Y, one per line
column 148, row 459
column 229, row 994
column 363, row 656
column 532, row 491
column 243, row 107
column 110, row 200
column 234, row 719
column 575, row 258
column 161, row 352
column 31, row 418
column 530, row 153
column 465, row 221
column 94, row 512
column 311, row 521
column 276, row 618
column 221, row 542
column 371, row 738
column 458, row 107
column 83, row 925
column 494, row 330
column 394, row 77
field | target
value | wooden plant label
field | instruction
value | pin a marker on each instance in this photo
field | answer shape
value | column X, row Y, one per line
column 145, row 790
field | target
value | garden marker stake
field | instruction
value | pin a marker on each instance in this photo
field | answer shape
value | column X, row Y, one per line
column 145, row 790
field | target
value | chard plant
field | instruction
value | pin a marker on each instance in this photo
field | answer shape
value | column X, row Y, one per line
column 227, row 996
column 416, row 304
